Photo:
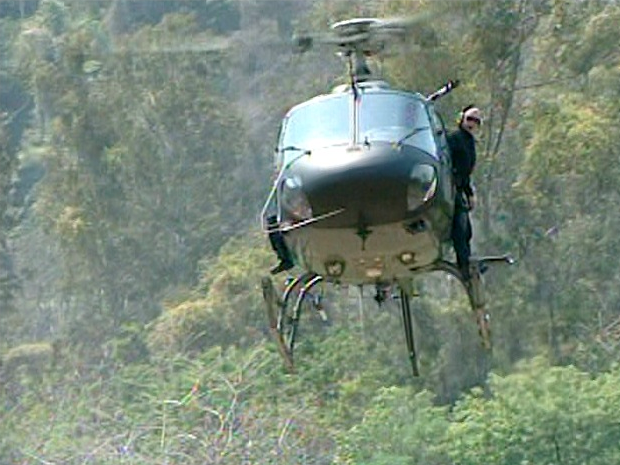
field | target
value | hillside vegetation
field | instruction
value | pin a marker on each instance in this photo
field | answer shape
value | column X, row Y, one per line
column 136, row 142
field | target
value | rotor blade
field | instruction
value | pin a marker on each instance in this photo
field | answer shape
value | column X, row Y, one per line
column 304, row 42
column 402, row 24
column 206, row 45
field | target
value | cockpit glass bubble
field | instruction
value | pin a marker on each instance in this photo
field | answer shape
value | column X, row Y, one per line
column 321, row 122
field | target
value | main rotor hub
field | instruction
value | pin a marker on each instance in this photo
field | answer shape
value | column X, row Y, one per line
column 355, row 31
column 356, row 39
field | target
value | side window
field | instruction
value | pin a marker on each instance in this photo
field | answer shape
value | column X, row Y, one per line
column 439, row 129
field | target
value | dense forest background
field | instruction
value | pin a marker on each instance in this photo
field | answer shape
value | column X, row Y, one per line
column 136, row 140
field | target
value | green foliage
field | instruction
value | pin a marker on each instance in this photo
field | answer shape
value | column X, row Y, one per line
column 563, row 127
column 399, row 425
column 228, row 307
column 54, row 16
column 541, row 415
column 179, row 410
column 9, row 284
column 137, row 165
column 33, row 357
column 583, row 37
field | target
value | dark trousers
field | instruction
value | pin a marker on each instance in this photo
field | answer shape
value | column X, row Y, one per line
column 276, row 239
column 461, row 237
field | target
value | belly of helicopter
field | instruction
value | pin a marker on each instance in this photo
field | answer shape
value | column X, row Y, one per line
column 384, row 253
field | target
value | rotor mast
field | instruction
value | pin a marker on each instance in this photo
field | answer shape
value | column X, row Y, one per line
column 355, row 40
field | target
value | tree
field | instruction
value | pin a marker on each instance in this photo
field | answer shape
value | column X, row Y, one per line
column 399, row 426
column 540, row 415
column 140, row 165
column 13, row 105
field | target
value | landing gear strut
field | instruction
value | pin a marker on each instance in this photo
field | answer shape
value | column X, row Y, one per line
column 475, row 289
column 408, row 325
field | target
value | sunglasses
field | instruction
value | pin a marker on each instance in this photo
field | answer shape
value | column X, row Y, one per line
column 473, row 119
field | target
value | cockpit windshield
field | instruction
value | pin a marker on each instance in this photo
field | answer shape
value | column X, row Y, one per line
column 320, row 122
column 394, row 117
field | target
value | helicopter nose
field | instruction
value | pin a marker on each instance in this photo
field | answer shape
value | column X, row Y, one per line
column 373, row 185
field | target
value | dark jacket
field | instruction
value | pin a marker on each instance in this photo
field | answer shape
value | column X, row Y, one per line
column 463, row 151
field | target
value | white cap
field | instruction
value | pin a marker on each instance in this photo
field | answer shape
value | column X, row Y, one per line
column 472, row 112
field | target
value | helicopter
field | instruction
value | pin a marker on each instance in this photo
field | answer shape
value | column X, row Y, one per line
column 364, row 191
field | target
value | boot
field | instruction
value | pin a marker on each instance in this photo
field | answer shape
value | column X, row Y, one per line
column 284, row 265
column 278, row 245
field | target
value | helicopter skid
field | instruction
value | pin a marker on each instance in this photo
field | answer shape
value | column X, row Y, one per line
column 380, row 253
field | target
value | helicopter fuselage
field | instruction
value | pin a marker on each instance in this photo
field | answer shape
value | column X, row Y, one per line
column 364, row 192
